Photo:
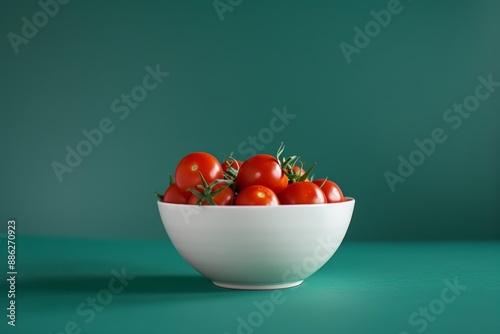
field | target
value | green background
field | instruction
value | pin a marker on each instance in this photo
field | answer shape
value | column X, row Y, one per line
column 353, row 119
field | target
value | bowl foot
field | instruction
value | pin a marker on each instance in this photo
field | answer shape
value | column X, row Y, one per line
column 238, row 286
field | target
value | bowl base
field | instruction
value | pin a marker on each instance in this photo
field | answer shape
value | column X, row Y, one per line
column 238, row 286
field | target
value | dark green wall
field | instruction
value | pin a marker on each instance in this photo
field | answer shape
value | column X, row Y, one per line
column 225, row 78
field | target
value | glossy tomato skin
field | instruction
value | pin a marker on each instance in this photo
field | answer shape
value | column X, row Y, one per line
column 264, row 170
column 331, row 189
column 174, row 195
column 257, row 195
column 224, row 198
column 302, row 193
column 187, row 173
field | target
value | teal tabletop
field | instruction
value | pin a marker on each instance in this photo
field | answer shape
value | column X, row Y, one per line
column 124, row 286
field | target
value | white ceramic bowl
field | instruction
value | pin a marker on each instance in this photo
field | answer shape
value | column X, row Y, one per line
column 257, row 247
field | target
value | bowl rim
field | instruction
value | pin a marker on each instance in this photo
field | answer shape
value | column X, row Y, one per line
column 263, row 207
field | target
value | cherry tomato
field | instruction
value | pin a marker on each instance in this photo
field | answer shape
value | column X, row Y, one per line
column 257, row 195
column 187, row 173
column 302, row 193
column 264, row 170
column 224, row 198
column 233, row 163
column 331, row 189
column 174, row 195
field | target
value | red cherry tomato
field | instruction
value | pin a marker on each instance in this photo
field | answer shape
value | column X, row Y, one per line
column 174, row 195
column 233, row 163
column 257, row 195
column 224, row 198
column 302, row 193
column 331, row 189
column 299, row 171
column 187, row 173
column 264, row 170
